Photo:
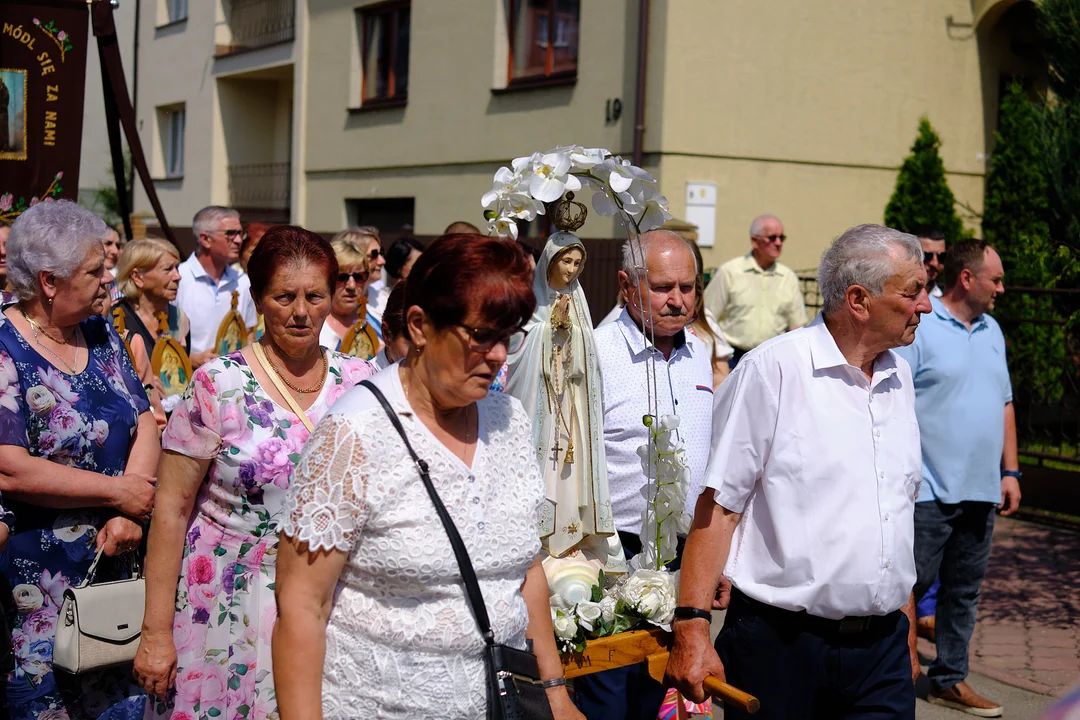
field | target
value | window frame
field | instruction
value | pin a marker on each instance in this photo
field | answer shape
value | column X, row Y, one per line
column 550, row 76
column 171, row 155
column 391, row 11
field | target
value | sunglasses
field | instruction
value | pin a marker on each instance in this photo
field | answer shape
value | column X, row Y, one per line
column 375, row 254
column 482, row 340
column 928, row 256
column 773, row 238
column 358, row 277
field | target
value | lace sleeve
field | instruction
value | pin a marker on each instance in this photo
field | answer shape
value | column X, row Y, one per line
column 326, row 504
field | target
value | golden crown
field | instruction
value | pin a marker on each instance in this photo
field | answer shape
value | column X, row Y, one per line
column 569, row 215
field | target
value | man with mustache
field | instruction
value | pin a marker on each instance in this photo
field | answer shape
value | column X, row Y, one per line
column 648, row 341
column 963, row 398
column 811, row 486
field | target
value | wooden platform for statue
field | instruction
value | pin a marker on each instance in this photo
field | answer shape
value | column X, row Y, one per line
column 650, row 647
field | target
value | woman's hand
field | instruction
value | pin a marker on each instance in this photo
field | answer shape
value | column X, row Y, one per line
column 120, row 535
column 562, row 707
column 155, row 662
column 134, row 495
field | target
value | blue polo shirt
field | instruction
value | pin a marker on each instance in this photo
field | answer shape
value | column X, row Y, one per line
column 961, row 389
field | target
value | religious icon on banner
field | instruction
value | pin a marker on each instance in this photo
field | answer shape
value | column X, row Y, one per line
column 12, row 114
column 169, row 361
column 232, row 333
column 360, row 340
column 120, row 325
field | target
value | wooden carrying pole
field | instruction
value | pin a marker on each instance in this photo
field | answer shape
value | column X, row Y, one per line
column 650, row 647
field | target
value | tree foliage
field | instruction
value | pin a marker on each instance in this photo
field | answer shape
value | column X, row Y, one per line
column 922, row 197
column 107, row 200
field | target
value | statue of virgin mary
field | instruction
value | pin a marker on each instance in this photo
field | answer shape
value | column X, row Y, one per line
column 556, row 376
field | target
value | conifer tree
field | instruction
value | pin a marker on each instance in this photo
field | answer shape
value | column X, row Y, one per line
column 922, row 197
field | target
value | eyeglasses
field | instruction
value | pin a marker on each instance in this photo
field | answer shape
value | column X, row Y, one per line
column 482, row 340
column 235, row 233
column 359, row 277
column 928, row 256
column 772, row 238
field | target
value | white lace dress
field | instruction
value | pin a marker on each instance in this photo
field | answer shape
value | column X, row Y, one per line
column 401, row 641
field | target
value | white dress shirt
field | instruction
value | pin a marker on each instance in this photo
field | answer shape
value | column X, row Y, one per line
column 207, row 302
column 824, row 466
column 684, row 388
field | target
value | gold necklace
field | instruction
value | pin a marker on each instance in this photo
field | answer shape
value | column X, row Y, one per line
column 69, row 368
column 35, row 327
column 313, row 389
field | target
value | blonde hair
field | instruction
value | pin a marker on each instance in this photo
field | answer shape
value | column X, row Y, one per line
column 350, row 248
column 141, row 255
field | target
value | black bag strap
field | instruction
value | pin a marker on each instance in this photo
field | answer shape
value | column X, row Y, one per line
column 468, row 575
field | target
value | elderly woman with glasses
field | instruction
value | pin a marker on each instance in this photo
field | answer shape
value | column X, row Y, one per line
column 229, row 452
column 350, row 290
column 373, row 619
column 78, row 448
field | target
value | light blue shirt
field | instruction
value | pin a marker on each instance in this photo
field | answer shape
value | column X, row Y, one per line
column 961, row 389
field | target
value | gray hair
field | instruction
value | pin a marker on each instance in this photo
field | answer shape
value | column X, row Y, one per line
column 50, row 237
column 757, row 225
column 865, row 256
column 630, row 255
column 208, row 220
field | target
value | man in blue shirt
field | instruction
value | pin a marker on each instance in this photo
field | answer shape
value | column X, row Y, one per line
column 963, row 401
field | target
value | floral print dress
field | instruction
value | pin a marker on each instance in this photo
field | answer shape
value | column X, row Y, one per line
column 86, row 421
column 225, row 609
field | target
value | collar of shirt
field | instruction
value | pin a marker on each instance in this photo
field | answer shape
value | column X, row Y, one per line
column 942, row 312
column 639, row 342
column 825, row 354
column 751, row 265
column 199, row 272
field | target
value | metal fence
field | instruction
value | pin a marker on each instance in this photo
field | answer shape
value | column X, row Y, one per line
column 265, row 186
column 257, row 23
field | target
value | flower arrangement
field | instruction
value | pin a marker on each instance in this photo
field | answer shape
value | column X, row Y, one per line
column 521, row 191
column 665, row 516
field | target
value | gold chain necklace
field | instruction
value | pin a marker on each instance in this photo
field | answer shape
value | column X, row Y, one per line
column 34, row 327
column 313, row 389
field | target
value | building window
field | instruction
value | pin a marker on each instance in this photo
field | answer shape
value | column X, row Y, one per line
column 543, row 38
column 171, row 121
column 384, row 48
column 177, row 10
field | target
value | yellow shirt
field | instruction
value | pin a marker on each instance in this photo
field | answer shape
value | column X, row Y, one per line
column 753, row 305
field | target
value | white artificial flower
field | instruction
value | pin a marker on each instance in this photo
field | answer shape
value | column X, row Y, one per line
column 503, row 227
column 607, row 607
column 565, row 627
column 586, row 158
column 505, row 182
column 655, row 214
column 651, row 594
column 588, row 615
column 551, row 177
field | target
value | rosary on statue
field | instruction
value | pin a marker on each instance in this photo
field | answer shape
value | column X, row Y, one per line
column 557, row 363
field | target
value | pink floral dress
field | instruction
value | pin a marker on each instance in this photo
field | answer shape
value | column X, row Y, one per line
column 225, row 608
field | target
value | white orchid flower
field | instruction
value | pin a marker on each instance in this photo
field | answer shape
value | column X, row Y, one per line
column 656, row 213
column 550, row 177
column 503, row 227
column 504, row 181
column 586, row 158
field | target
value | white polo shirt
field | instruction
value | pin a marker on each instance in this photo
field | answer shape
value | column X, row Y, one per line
column 824, row 466
column 685, row 389
column 207, row 302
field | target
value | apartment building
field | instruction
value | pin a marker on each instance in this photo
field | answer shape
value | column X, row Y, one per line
column 397, row 113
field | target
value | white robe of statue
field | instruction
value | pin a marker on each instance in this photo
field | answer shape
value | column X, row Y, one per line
column 556, row 375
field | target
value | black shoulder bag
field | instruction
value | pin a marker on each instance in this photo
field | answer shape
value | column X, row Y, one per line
column 514, row 690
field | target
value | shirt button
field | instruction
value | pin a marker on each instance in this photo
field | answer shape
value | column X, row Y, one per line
column 881, row 474
column 877, row 433
column 888, row 563
column 480, row 525
column 476, row 501
column 472, row 478
column 886, row 517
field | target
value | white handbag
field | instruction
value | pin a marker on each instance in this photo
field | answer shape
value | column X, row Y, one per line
column 99, row 624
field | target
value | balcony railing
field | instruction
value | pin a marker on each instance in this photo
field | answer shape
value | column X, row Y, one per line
column 257, row 23
column 263, row 186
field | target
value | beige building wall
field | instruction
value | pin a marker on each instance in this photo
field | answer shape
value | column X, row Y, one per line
column 806, row 109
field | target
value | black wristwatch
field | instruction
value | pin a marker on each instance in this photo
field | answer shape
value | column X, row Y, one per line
column 684, row 612
column 1012, row 473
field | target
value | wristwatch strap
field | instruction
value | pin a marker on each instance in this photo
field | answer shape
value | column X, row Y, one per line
column 688, row 613
column 1012, row 473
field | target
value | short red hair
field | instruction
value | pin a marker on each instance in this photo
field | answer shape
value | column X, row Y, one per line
column 461, row 273
column 285, row 246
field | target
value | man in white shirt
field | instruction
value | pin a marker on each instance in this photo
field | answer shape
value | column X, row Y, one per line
column 662, row 300
column 811, row 486
column 207, row 281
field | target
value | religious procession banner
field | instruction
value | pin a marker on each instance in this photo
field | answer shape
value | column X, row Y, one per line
column 42, row 81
